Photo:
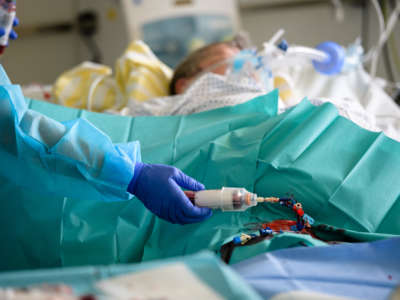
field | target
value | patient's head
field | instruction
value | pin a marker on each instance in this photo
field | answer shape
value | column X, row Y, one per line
column 201, row 60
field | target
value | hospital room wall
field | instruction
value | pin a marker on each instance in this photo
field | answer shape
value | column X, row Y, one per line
column 42, row 57
column 307, row 24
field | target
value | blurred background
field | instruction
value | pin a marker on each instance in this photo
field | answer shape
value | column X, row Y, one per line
column 56, row 35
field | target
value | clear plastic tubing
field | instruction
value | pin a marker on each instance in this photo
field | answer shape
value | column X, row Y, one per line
column 307, row 52
column 327, row 58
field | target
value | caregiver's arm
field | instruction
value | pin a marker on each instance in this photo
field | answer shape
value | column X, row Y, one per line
column 75, row 159
column 72, row 159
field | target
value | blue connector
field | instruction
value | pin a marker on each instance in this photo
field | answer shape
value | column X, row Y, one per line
column 299, row 226
column 283, row 45
column 266, row 231
column 334, row 62
column 308, row 219
column 237, row 240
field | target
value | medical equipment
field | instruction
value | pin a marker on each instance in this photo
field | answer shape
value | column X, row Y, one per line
column 239, row 199
column 176, row 28
column 328, row 57
column 7, row 16
column 352, row 92
column 227, row 199
column 384, row 35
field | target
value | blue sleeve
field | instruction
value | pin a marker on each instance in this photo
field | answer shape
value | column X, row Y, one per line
column 72, row 159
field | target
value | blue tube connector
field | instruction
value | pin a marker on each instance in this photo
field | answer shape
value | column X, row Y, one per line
column 237, row 240
column 335, row 61
column 283, row 45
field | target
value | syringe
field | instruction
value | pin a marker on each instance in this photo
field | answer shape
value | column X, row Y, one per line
column 227, row 199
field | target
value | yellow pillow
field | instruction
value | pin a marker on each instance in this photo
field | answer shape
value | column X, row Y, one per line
column 140, row 76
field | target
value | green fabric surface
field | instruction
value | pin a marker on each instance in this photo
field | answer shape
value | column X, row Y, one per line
column 343, row 175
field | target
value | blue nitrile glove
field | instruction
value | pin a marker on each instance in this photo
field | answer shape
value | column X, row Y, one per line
column 13, row 35
column 159, row 188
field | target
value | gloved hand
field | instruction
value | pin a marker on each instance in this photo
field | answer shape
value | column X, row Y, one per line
column 13, row 35
column 159, row 188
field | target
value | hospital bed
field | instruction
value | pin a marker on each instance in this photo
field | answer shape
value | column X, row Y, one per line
column 358, row 271
column 250, row 145
column 348, row 184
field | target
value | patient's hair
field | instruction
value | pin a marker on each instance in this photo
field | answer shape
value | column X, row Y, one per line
column 191, row 65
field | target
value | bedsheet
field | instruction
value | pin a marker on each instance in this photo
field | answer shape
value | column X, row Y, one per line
column 359, row 271
column 353, row 88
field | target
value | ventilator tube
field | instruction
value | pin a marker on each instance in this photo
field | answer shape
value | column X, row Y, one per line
column 327, row 58
column 307, row 52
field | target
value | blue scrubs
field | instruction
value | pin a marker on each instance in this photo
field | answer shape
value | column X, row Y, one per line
column 72, row 159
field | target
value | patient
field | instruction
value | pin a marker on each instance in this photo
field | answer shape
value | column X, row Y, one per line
column 139, row 77
column 208, row 58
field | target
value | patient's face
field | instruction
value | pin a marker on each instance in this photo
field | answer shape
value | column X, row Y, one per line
column 219, row 54
column 212, row 63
